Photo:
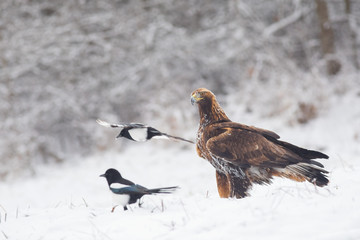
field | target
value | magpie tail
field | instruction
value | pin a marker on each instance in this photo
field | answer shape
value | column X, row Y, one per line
column 178, row 138
column 164, row 190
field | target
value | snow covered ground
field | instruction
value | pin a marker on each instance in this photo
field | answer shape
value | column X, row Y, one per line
column 70, row 201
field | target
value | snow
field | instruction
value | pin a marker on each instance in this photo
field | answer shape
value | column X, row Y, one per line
column 71, row 201
column 66, row 63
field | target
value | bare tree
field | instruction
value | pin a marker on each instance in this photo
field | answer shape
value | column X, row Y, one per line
column 352, row 26
column 65, row 63
column 327, row 37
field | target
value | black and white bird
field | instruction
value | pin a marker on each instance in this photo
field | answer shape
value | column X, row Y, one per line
column 139, row 132
column 126, row 192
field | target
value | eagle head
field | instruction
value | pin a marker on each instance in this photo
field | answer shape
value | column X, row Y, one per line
column 201, row 95
column 209, row 109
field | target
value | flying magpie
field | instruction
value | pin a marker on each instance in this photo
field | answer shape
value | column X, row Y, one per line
column 139, row 132
column 126, row 192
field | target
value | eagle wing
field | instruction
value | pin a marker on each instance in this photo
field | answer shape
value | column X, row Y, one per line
column 234, row 125
column 247, row 147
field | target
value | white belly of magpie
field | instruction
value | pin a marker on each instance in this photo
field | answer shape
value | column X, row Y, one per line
column 138, row 134
column 120, row 199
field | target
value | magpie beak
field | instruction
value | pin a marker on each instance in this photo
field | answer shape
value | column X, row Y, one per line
column 102, row 175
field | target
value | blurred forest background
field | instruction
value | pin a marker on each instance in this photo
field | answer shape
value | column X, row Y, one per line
column 64, row 63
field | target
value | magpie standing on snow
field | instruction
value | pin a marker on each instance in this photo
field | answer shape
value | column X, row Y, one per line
column 126, row 192
column 139, row 132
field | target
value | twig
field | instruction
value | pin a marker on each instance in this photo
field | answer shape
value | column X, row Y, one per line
column 153, row 210
column 71, row 205
column 6, row 236
column 171, row 225
column 5, row 216
column 5, row 213
column 57, row 205
column 183, row 205
column 85, row 202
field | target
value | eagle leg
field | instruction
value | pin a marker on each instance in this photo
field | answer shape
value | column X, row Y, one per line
column 222, row 185
column 239, row 186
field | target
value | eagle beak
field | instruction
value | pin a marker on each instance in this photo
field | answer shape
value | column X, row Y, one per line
column 195, row 99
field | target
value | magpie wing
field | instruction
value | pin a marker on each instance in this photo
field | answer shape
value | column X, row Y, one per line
column 116, row 125
column 112, row 125
column 134, row 189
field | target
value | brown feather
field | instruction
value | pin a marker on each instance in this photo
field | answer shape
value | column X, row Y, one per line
column 243, row 154
column 223, row 184
column 294, row 177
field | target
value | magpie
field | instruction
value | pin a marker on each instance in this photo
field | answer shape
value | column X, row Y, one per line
column 139, row 132
column 126, row 192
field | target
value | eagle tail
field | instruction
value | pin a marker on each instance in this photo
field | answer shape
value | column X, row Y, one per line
column 305, row 153
column 164, row 190
column 305, row 171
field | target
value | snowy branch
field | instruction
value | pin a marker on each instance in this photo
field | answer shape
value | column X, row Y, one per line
column 287, row 21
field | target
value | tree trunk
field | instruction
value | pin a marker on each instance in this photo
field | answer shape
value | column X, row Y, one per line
column 352, row 26
column 327, row 37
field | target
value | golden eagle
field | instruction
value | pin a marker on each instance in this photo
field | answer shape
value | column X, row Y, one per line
column 243, row 155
